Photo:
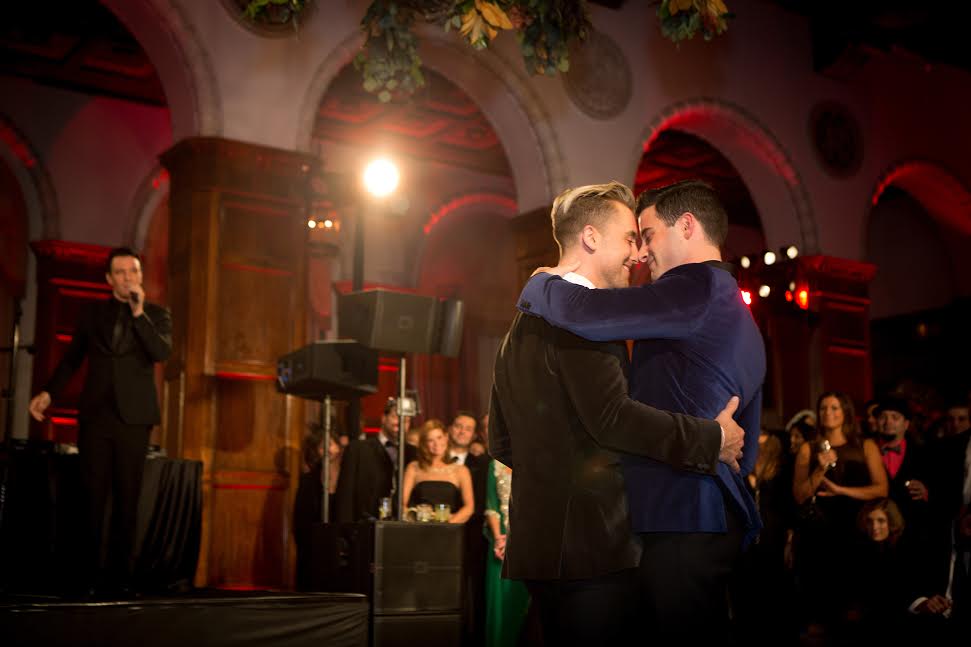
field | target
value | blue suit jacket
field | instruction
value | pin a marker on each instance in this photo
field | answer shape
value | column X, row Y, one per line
column 696, row 346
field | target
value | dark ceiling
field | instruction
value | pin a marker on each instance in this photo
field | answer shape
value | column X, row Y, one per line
column 847, row 33
column 79, row 45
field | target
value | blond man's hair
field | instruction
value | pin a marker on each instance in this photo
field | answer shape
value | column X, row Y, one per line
column 592, row 205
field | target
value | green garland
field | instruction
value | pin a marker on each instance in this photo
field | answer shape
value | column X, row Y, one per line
column 389, row 61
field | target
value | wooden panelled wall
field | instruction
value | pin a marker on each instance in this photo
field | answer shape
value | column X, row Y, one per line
column 237, row 286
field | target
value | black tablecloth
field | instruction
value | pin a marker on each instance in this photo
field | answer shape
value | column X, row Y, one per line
column 40, row 526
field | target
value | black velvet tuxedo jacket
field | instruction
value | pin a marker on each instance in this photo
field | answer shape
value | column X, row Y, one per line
column 119, row 373
column 559, row 409
column 366, row 476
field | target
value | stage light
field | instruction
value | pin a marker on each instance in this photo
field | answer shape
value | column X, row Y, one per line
column 764, row 291
column 792, row 286
column 312, row 223
column 745, row 262
column 381, row 177
column 747, row 297
column 329, row 224
column 769, row 258
column 789, row 296
column 802, row 299
column 792, row 251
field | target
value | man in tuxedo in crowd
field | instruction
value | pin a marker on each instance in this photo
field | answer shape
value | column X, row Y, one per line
column 368, row 470
column 559, row 410
column 461, row 433
column 121, row 338
column 910, row 474
column 696, row 344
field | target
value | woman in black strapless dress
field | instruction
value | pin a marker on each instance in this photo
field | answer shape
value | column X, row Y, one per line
column 436, row 478
column 838, row 478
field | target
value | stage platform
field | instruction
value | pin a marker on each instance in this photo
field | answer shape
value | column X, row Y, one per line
column 205, row 618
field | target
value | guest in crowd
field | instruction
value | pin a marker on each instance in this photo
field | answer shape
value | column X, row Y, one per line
column 881, row 578
column 507, row 601
column 308, row 502
column 831, row 481
column 765, row 587
column 368, row 470
column 436, row 478
column 909, row 470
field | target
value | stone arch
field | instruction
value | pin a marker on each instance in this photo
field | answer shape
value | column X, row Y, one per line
column 473, row 203
column 35, row 181
column 944, row 196
column 759, row 157
column 181, row 61
column 505, row 98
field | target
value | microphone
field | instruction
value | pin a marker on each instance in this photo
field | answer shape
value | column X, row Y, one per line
column 133, row 298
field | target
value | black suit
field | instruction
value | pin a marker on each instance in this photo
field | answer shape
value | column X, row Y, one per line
column 560, row 407
column 367, row 474
column 118, row 407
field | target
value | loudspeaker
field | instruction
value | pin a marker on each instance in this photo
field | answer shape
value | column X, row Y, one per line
column 403, row 568
column 341, row 369
column 427, row 630
column 398, row 322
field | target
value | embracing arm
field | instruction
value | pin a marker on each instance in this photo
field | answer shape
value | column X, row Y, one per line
column 620, row 424
column 670, row 308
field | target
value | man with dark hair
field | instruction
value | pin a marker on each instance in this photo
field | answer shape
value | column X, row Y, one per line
column 696, row 344
column 368, row 470
column 559, row 410
column 122, row 338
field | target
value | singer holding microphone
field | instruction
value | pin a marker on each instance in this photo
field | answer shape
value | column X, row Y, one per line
column 122, row 338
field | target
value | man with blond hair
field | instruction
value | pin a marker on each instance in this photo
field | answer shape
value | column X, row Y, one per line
column 559, row 410
column 696, row 344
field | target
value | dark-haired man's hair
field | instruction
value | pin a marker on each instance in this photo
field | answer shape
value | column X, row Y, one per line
column 119, row 252
column 467, row 414
column 592, row 205
column 693, row 196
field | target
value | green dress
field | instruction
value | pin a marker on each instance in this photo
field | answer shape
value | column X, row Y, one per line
column 506, row 600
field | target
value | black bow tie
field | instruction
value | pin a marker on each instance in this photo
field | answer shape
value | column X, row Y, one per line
column 886, row 449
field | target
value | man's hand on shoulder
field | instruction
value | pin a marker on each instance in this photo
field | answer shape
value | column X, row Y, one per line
column 734, row 436
column 560, row 270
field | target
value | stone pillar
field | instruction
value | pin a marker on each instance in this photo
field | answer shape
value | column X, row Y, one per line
column 237, row 289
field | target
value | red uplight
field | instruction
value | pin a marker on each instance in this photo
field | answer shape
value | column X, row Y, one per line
column 802, row 299
column 747, row 297
column 789, row 296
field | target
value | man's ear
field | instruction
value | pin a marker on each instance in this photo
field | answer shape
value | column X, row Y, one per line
column 687, row 225
column 590, row 237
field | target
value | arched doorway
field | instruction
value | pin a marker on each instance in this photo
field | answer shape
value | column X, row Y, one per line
column 918, row 232
column 13, row 283
column 758, row 158
column 456, row 193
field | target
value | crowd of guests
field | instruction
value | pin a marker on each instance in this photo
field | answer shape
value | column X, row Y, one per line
column 866, row 527
column 447, row 469
column 866, row 524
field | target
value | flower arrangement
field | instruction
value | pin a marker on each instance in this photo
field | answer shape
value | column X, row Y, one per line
column 275, row 12
column 389, row 60
column 682, row 19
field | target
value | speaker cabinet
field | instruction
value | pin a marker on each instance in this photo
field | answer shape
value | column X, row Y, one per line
column 427, row 630
column 399, row 322
column 402, row 567
column 342, row 369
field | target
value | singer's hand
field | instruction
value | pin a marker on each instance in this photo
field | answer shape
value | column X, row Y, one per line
column 39, row 404
column 136, row 299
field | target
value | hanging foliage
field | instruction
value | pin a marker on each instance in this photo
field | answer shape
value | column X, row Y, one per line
column 682, row 19
column 389, row 61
